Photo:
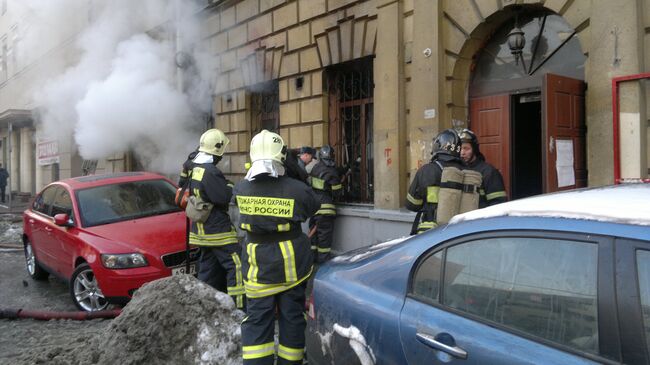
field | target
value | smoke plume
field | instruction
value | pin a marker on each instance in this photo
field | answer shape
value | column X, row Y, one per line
column 121, row 92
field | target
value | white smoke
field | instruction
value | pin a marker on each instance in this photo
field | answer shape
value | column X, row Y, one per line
column 121, row 94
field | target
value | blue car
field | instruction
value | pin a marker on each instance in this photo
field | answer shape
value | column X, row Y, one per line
column 561, row 278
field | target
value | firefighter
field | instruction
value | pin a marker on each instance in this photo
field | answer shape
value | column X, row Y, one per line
column 492, row 190
column 292, row 166
column 187, row 167
column 326, row 182
column 277, row 260
column 422, row 195
column 218, row 277
column 217, row 238
column 307, row 158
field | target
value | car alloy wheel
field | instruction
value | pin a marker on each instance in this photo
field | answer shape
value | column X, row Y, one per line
column 30, row 259
column 33, row 268
column 85, row 290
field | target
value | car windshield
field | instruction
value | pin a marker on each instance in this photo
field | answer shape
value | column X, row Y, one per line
column 124, row 201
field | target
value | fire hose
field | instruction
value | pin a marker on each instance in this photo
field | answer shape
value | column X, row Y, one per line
column 49, row 315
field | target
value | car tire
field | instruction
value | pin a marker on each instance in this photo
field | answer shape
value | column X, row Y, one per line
column 34, row 269
column 85, row 291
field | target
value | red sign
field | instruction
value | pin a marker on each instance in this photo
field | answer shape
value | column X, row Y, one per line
column 48, row 152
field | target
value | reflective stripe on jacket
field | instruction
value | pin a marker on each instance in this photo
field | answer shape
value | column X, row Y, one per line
column 208, row 183
column 277, row 255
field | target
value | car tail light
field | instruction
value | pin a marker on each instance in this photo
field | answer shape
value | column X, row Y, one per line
column 311, row 311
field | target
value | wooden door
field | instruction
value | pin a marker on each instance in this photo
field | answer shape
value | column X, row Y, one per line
column 563, row 129
column 490, row 121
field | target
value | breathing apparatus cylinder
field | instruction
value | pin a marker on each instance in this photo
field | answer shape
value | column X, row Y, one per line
column 471, row 184
column 449, row 195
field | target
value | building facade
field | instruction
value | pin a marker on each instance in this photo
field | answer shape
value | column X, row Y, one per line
column 378, row 79
column 27, row 59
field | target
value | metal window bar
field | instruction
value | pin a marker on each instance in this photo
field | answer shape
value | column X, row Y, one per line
column 353, row 84
column 265, row 106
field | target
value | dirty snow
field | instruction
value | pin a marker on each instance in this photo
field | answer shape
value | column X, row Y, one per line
column 175, row 320
column 372, row 250
column 357, row 342
column 621, row 203
column 11, row 229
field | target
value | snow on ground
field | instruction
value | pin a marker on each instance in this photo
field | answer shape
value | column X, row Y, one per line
column 11, row 229
column 175, row 320
column 620, row 203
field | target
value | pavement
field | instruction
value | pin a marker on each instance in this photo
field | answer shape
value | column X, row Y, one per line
column 17, row 206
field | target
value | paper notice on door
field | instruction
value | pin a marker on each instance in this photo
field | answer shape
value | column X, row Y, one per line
column 564, row 163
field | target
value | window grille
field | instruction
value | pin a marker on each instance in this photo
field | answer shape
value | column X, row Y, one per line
column 350, row 87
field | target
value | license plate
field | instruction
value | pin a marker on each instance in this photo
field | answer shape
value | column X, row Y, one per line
column 180, row 270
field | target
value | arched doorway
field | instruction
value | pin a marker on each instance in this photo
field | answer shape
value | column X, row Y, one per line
column 528, row 110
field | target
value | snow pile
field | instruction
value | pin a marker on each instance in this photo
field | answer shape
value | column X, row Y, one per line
column 175, row 320
column 11, row 228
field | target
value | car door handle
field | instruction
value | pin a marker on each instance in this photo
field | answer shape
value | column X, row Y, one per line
column 437, row 343
column 31, row 221
column 48, row 229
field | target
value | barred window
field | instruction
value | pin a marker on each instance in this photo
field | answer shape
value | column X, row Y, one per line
column 350, row 87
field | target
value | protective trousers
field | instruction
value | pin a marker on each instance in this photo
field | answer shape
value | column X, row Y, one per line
column 321, row 241
column 223, row 262
column 258, row 328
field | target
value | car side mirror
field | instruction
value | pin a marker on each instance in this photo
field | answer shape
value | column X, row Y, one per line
column 63, row 220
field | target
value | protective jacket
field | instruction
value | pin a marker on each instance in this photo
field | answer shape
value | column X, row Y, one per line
column 277, row 254
column 326, row 182
column 187, row 168
column 208, row 183
column 492, row 189
column 422, row 195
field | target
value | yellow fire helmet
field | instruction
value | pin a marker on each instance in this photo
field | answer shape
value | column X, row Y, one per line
column 214, row 142
column 268, row 146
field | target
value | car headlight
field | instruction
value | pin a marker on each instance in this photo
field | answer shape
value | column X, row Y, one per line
column 123, row 261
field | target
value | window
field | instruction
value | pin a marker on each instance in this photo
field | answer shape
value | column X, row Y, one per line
column 124, row 201
column 543, row 287
column 427, row 280
column 546, row 288
column 265, row 106
column 350, row 86
column 62, row 203
column 643, row 272
column 43, row 202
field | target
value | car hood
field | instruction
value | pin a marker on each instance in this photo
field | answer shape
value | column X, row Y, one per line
column 156, row 234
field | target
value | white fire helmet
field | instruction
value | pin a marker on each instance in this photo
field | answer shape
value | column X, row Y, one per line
column 213, row 142
column 268, row 146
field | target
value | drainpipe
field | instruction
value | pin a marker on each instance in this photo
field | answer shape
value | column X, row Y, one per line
column 616, row 121
column 11, row 130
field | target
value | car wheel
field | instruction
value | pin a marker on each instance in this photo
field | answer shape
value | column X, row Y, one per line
column 34, row 269
column 85, row 290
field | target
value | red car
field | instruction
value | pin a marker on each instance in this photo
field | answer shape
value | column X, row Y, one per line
column 106, row 235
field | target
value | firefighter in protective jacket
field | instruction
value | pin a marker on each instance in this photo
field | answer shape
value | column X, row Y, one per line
column 422, row 195
column 187, row 168
column 492, row 190
column 326, row 182
column 217, row 238
column 277, row 259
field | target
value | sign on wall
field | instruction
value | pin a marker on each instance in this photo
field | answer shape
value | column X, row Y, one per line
column 48, row 152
